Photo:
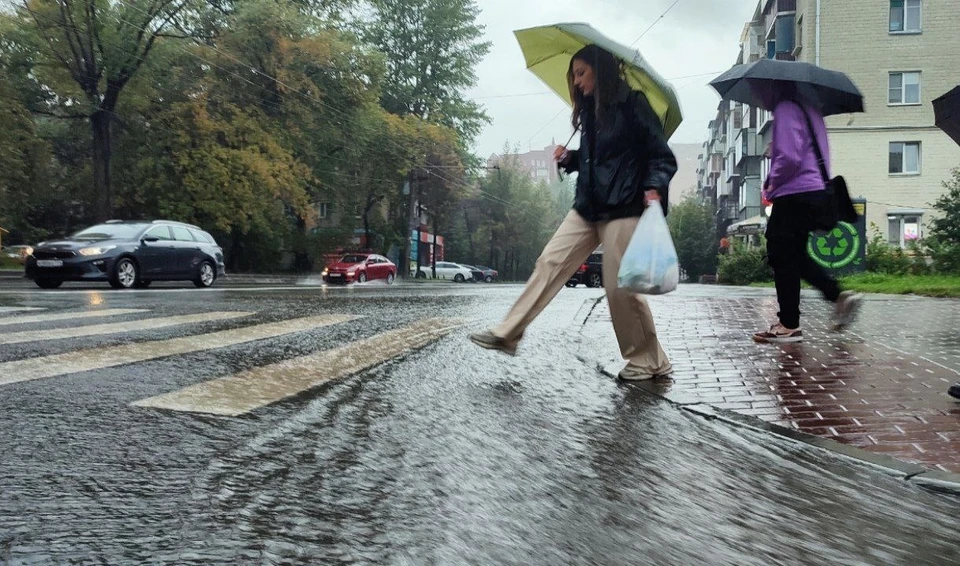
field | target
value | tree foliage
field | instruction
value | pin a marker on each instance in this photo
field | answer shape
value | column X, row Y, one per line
column 505, row 221
column 693, row 228
column 239, row 115
column 432, row 48
column 946, row 227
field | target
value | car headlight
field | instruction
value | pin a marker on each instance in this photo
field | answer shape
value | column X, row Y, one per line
column 325, row 272
column 100, row 250
column 27, row 251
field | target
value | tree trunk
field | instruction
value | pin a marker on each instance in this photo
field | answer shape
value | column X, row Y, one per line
column 473, row 251
column 491, row 263
column 102, row 154
column 371, row 201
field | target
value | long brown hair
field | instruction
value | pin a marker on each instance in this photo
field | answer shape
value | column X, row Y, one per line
column 608, row 76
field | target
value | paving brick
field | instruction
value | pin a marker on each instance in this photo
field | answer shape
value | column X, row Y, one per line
column 880, row 386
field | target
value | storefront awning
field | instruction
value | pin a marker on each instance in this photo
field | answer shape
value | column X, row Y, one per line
column 748, row 227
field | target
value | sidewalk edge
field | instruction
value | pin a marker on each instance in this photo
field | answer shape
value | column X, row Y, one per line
column 933, row 480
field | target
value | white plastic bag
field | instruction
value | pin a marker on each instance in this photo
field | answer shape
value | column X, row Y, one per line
column 649, row 265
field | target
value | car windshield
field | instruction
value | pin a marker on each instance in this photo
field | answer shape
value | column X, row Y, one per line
column 353, row 259
column 109, row 232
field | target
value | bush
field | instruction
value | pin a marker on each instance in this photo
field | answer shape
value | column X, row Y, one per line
column 944, row 256
column 742, row 266
column 884, row 258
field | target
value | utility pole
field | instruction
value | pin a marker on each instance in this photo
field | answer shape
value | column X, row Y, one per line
column 408, row 189
column 419, row 237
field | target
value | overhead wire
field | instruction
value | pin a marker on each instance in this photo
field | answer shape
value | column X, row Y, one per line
column 657, row 21
column 281, row 83
column 342, row 114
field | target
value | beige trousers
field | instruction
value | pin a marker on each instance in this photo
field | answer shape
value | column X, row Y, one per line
column 573, row 243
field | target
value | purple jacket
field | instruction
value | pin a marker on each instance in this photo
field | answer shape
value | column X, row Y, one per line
column 793, row 162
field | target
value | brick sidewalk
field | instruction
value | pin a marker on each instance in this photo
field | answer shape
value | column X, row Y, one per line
column 863, row 388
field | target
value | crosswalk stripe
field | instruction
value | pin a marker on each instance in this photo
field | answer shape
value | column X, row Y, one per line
column 116, row 328
column 243, row 392
column 28, row 319
column 100, row 358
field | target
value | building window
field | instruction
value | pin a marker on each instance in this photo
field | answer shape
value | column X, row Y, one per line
column 799, row 45
column 323, row 210
column 904, row 16
column 904, row 227
column 904, row 158
column 904, row 88
column 772, row 49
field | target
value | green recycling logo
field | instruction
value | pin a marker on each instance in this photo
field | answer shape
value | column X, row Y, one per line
column 835, row 249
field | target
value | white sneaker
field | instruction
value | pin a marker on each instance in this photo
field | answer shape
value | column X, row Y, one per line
column 845, row 310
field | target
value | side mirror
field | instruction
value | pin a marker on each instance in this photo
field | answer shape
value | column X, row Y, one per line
column 150, row 239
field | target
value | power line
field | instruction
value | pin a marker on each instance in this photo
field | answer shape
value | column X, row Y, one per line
column 456, row 182
column 657, row 21
column 545, row 92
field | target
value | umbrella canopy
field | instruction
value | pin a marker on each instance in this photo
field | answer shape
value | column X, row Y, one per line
column 946, row 109
column 766, row 82
column 548, row 50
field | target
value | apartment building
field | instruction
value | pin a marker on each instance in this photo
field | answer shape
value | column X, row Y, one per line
column 902, row 54
column 537, row 163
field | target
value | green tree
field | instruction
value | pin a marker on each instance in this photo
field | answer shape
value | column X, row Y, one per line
column 693, row 228
column 24, row 168
column 946, row 228
column 213, row 164
column 86, row 52
column 432, row 48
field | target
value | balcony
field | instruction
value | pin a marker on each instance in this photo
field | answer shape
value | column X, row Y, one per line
column 748, row 212
column 747, row 146
column 727, row 211
column 732, row 186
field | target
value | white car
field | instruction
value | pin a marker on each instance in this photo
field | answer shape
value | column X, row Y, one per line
column 446, row 270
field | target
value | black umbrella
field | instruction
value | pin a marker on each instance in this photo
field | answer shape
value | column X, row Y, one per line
column 768, row 81
column 946, row 110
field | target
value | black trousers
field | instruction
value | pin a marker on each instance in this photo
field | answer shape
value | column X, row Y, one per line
column 789, row 227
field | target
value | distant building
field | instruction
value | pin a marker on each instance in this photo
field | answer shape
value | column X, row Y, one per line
column 538, row 163
column 902, row 55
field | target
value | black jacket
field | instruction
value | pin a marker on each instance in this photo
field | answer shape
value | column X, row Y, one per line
column 631, row 155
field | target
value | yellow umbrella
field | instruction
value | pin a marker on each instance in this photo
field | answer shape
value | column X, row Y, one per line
column 548, row 50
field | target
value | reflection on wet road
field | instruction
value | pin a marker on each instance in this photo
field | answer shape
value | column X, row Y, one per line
column 446, row 455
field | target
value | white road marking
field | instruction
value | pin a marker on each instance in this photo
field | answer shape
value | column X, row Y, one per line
column 243, row 392
column 100, row 358
column 26, row 319
column 115, row 328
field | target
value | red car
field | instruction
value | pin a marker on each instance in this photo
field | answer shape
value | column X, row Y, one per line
column 360, row 268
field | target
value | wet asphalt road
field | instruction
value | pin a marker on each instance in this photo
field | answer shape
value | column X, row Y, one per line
column 446, row 455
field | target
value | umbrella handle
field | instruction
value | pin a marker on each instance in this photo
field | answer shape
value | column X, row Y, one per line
column 559, row 169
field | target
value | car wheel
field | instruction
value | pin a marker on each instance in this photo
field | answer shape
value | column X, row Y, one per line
column 362, row 278
column 205, row 275
column 488, row 278
column 458, row 278
column 596, row 280
column 390, row 278
column 124, row 274
column 571, row 284
column 48, row 283
column 142, row 284
column 421, row 275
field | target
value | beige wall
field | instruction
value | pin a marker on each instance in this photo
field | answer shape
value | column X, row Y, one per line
column 862, row 158
column 855, row 40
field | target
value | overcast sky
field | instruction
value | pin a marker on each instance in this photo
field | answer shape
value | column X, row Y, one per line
column 695, row 37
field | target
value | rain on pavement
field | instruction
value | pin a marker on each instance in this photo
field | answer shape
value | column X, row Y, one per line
column 444, row 455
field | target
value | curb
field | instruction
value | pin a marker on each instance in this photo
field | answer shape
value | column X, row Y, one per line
column 920, row 476
column 933, row 480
